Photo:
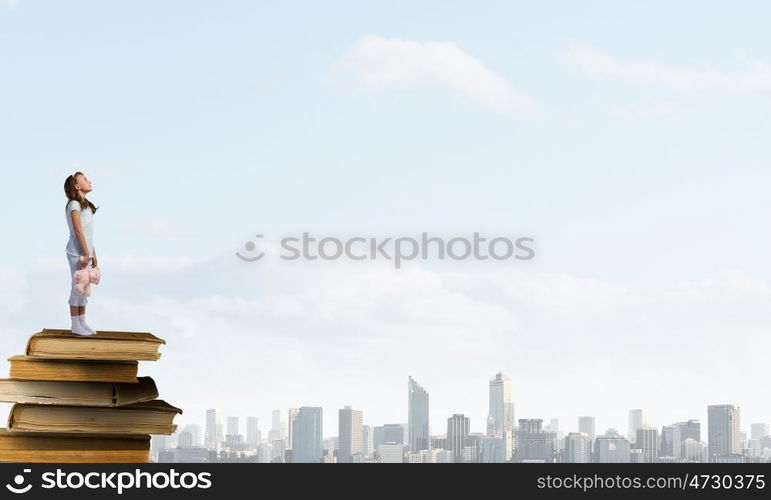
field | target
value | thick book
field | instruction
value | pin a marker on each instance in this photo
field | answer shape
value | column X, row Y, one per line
column 75, row 370
column 77, row 393
column 151, row 417
column 45, row 447
column 63, row 344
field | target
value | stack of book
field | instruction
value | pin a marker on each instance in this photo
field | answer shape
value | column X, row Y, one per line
column 78, row 399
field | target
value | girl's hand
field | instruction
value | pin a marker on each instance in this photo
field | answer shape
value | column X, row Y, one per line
column 84, row 261
column 93, row 261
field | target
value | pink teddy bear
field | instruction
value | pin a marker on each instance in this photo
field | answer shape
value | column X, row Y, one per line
column 83, row 278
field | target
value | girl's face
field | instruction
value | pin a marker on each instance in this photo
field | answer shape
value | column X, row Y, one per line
column 83, row 184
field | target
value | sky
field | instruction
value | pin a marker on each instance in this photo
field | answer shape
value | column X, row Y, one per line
column 630, row 141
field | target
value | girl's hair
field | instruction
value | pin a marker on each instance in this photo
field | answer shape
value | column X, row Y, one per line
column 73, row 194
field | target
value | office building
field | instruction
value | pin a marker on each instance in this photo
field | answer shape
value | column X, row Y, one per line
column 587, row 426
column 637, row 419
column 648, row 443
column 307, row 439
column 723, row 432
column 253, row 435
column 578, row 446
column 458, row 429
column 533, row 443
column 501, row 408
column 350, row 434
column 211, row 436
column 417, row 410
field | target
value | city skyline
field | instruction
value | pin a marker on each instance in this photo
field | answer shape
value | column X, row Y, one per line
column 580, row 442
column 476, row 425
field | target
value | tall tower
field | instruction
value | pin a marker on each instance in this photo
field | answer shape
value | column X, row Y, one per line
column 307, row 446
column 253, row 431
column 350, row 433
column 417, row 409
column 211, row 435
column 637, row 419
column 578, row 448
column 501, row 404
column 648, row 441
column 232, row 426
column 587, row 425
column 367, row 441
column 723, row 430
column 277, row 426
column 458, row 429
column 290, row 423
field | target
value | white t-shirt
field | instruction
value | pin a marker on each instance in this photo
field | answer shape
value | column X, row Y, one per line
column 86, row 223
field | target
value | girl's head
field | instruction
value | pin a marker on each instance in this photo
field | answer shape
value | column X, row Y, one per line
column 76, row 186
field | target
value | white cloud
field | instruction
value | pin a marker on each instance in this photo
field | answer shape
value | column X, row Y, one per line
column 655, row 111
column 376, row 62
column 757, row 78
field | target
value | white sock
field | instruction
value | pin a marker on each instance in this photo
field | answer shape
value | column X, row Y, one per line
column 82, row 319
column 78, row 328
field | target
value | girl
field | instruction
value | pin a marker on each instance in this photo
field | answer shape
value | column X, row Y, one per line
column 80, row 247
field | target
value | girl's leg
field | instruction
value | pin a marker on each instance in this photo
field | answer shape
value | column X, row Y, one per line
column 75, row 317
column 82, row 316
column 76, row 310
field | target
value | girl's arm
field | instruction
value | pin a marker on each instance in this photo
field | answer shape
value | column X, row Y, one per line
column 93, row 259
column 75, row 214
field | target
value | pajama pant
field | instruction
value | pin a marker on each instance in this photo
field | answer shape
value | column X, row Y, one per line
column 75, row 299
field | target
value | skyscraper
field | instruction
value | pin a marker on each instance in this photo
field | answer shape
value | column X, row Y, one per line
column 185, row 440
column 367, row 441
column 388, row 433
column 637, row 419
column 578, row 446
column 290, row 423
column 458, row 429
column 501, row 404
column 723, row 430
column 277, row 428
column 232, row 426
column 492, row 450
column 534, row 444
column 252, row 431
column 306, row 435
column 648, row 441
column 195, row 433
column 211, row 436
column 587, row 425
column 758, row 431
column 690, row 429
column 349, row 434
column 671, row 441
column 417, row 409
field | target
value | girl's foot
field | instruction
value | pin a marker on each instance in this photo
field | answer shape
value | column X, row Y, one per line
column 79, row 330
column 85, row 326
